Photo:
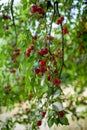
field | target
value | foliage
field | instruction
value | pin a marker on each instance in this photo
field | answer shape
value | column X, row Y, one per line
column 43, row 50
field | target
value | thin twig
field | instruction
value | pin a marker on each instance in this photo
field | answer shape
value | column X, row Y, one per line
column 12, row 14
column 50, row 32
column 51, row 25
column 62, row 64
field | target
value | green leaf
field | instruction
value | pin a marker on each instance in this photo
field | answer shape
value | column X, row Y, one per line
column 57, row 93
column 64, row 121
column 57, row 106
column 50, row 122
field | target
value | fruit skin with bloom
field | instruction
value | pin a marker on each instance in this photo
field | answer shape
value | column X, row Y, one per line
column 39, row 122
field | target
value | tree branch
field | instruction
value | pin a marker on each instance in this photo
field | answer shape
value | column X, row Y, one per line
column 62, row 64
column 58, row 14
column 50, row 32
column 12, row 14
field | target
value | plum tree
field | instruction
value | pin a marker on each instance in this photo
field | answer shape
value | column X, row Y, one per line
column 44, row 51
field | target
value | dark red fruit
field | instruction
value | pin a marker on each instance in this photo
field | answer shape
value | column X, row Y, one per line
column 6, row 27
column 27, row 52
column 33, row 9
column 61, row 18
column 37, row 71
column 39, row 122
column 80, row 49
column 45, row 51
column 17, row 50
column 31, row 48
column 65, row 30
column 48, row 77
column 61, row 114
column 30, row 96
column 49, row 37
column 41, row 52
column 42, row 63
column 12, row 71
column 56, row 71
column 56, row 81
column 55, row 63
column 35, row 37
column 42, row 70
column 7, row 88
column 43, row 114
column 40, row 10
column 13, row 56
column 52, row 57
column 17, row 53
column 58, row 22
column 5, row 17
